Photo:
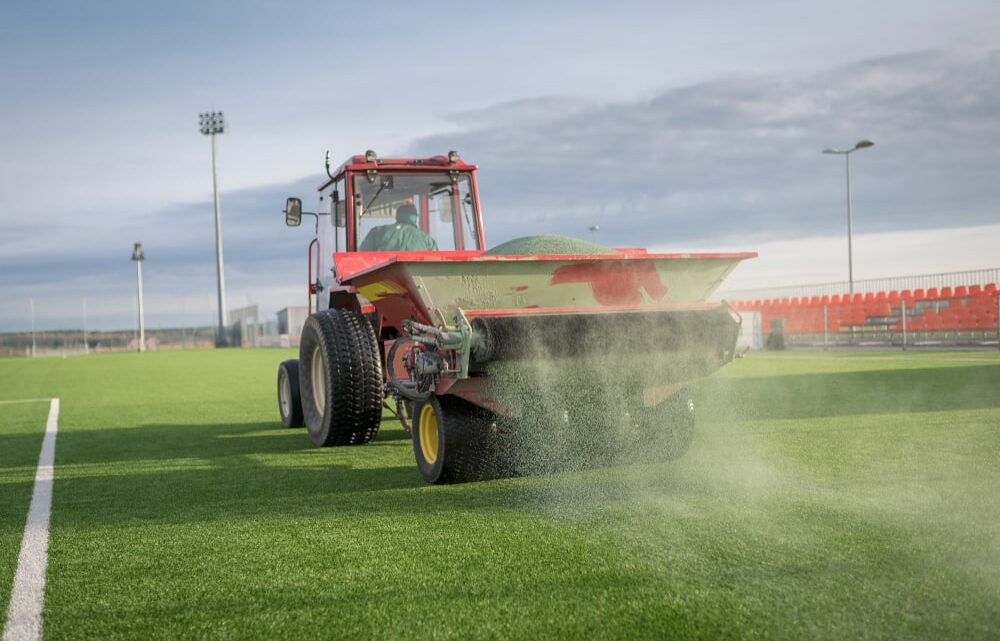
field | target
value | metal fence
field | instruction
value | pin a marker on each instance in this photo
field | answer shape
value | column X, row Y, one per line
column 924, row 281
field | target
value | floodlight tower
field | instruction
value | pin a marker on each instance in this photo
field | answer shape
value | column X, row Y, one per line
column 861, row 144
column 212, row 123
column 138, row 257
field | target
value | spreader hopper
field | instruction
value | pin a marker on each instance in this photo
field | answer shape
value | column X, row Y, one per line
column 460, row 313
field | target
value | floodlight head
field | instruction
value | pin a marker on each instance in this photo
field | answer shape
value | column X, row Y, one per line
column 211, row 123
column 861, row 144
column 137, row 254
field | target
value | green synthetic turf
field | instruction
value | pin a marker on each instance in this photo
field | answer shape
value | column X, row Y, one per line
column 22, row 427
column 849, row 495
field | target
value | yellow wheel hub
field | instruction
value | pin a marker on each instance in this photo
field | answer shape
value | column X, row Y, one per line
column 428, row 426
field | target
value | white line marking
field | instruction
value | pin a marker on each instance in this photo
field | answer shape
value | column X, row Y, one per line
column 27, row 597
column 26, row 400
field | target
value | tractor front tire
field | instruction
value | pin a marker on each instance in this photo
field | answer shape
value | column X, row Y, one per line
column 340, row 375
column 453, row 441
column 289, row 400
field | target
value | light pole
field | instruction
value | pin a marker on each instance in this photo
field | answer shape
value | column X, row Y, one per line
column 212, row 123
column 861, row 144
column 593, row 231
column 86, row 343
column 31, row 304
column 138, row 257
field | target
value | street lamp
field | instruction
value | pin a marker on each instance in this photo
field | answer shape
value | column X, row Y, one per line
column 861, row 144
column 212, row 123
column 138, row 257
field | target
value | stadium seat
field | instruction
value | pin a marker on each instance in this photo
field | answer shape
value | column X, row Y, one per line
column 961, row 291
column 932, row 294
column 990, row 288
column 919, row 294
column 946, row 292
column 906, row 295
column 975, row 290
column 967, row 321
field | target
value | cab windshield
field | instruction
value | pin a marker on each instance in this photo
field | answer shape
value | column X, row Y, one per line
column 437, row 210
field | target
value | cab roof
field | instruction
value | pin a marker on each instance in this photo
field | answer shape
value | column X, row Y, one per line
column 360, row 162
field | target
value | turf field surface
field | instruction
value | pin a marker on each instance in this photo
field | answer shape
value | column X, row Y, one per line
column 848, row 495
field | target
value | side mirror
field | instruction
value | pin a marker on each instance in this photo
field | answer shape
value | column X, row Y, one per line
column 293, row 212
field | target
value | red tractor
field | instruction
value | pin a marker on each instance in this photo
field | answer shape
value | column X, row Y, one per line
column 411, row 308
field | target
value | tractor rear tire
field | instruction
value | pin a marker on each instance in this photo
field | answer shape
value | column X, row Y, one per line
column 340, row 375
column 289, row 400
column 454, row 441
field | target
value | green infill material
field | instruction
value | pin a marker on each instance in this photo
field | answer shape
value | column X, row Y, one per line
column 548, row 245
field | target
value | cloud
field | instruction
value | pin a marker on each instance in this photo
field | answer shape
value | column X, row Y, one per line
column 732, row 163
column 741, row 156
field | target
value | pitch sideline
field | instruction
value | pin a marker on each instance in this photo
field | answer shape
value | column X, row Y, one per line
column 27, row 597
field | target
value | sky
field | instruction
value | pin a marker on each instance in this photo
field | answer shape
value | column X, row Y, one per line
column 679, row 126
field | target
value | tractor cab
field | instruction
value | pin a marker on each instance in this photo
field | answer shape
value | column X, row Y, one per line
column 438, row 193
column 372, row 204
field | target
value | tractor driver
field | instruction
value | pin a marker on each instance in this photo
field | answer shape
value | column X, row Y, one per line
column 403, row 236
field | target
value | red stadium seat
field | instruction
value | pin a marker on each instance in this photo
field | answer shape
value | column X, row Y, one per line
column 918, row 294
column 961, row 291
column 932, row 293
column 946, row 292
column 975, row 290
column 990, row 288
column 906, row 295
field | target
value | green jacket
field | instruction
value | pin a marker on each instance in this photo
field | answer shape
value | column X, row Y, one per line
column 397, row 237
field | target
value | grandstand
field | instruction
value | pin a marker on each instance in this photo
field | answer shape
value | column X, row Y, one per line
column 946, row 314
